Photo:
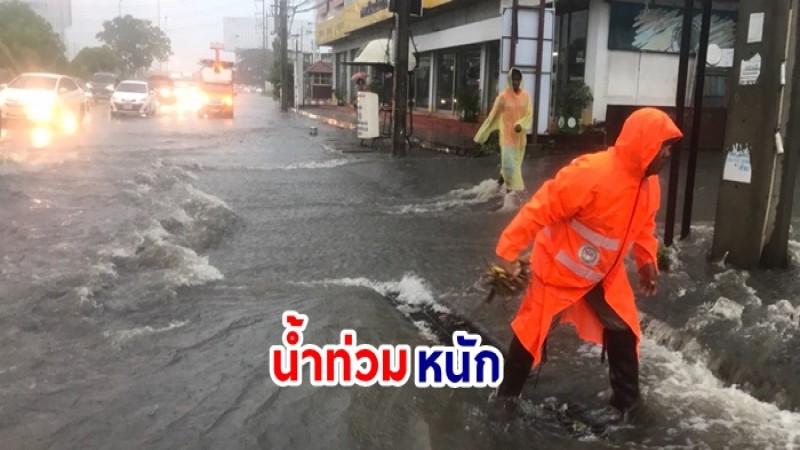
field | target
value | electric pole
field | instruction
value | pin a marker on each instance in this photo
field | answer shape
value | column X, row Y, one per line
column 746, row 204
column 284, row 55
column 776, row 250
column 512, row 60
column 680, row 107
column 400, row 78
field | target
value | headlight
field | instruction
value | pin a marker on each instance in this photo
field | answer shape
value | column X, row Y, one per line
column 164, row 92
column 89, row 85
column 227, row 101
column 110, row 87
column 40, row 110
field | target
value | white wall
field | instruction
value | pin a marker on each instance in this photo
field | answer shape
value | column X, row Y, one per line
column 642, row 79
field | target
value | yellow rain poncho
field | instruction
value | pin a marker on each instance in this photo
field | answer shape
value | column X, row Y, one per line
column 510, row 109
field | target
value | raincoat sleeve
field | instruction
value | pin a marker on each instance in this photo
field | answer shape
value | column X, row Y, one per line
column 526, row 122
column 557, row 200
column 645, row 246
column 492, row 122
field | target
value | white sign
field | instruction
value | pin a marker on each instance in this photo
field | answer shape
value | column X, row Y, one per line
column 368, row 115
column 750, row 71
column 737, row 165
column 209, row 75
column 727, row 58
column 756, row 30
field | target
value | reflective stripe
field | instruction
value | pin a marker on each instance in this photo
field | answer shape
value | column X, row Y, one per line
column 594, row 237
column 578, row 269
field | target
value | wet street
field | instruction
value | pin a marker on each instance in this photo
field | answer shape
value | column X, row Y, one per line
column 145, row 265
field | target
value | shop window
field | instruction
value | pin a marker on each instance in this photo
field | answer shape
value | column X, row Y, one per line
column 469, row 74
column 445, row 81
column 569, row 61
column 422, row 81
column 493, row 73
column 342, row 80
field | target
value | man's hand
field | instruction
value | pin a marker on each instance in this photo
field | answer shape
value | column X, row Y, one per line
column 518, row 128
column 648, row 285
column 512, row 268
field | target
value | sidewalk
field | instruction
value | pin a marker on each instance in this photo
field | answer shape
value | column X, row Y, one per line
column 446, row 133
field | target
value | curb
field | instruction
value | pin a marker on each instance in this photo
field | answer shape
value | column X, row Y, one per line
column 333, row 122
column 424, row 144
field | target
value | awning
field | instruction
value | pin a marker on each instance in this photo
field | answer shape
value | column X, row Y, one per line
column 378, row 53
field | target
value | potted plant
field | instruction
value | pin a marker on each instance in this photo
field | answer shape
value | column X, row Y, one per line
column 575, row 97
column 468, row 104
column 337, row 93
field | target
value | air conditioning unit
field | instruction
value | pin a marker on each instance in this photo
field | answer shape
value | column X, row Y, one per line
column 414, row 7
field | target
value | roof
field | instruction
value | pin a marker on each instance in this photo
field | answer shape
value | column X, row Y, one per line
column 320, row 67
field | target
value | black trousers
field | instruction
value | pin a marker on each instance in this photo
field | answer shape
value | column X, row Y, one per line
column 620, row 346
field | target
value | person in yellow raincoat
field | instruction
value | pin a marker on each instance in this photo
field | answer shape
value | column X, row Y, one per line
column 512, row 115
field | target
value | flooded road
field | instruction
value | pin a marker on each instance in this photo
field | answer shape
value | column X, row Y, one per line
column 146, row 264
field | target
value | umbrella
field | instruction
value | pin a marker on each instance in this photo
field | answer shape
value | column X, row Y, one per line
column 359, row 76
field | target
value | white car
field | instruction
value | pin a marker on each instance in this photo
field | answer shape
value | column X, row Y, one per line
column 43, row 99
column 133, row 98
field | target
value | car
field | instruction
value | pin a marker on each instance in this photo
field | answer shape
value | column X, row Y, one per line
column 102, row 86
column 87, row 94
column 133, row 98
column 43, row 99
column 217, row 101
column 164, row 88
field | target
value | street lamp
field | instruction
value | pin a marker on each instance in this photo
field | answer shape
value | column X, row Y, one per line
column 120, row 9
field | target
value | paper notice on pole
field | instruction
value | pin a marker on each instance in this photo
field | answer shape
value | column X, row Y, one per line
column 750, row 71
column 737, row 165
column 755, row 32
column 368, row 115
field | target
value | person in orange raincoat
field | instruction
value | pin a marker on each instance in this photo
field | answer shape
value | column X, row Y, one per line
column 512, row 115
column 582, row 224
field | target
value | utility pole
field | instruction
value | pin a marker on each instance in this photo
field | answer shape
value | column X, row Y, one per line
column 680, row 106
column 537, row 89
column 776, row 250
column 400, row 78
column 745, row 205
column 158, row 11
column 697, row 118
column 284, row 55
column 512, row 60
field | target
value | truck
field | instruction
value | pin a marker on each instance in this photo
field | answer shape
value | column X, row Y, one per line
column 217, row 89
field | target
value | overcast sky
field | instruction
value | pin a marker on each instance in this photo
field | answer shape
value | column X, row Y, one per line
column 190, row 24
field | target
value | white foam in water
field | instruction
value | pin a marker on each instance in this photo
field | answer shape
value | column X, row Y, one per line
column 411, row 291
column 120, row 337
column 485, row 191
column 330, row 164
column 697, row 401
column 721, row 310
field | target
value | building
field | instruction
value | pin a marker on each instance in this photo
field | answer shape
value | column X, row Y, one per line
column 625, row 51
column 58, row 13
column 319, row 82
column 241, row 33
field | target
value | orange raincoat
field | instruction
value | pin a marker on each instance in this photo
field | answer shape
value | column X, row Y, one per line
column 584, row 222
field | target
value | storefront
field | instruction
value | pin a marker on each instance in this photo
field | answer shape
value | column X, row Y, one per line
column 624, row 51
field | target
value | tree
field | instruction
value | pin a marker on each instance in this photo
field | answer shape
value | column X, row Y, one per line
column 136, row 42
column 275, row 72
column 27, row 41
column 91, row 60
column 251, row 66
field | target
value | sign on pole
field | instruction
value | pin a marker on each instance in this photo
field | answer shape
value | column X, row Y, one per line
column 368, row 115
